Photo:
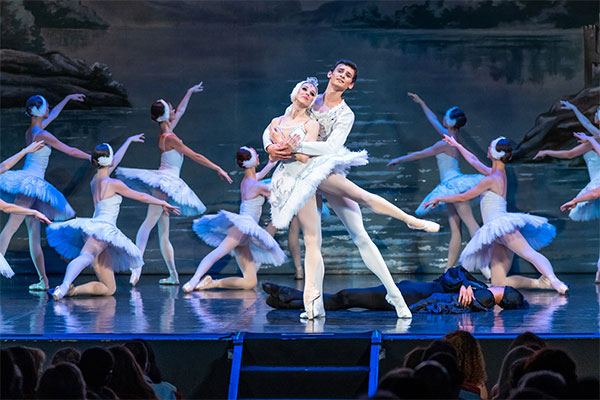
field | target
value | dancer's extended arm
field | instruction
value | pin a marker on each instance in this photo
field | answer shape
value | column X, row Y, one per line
column 52, row 141
column 119, row 187
column 431, row 117
column 178, row 145
column 468, row 156
column 431, row 151
column 59, row 107
column 123, row 149
column 483, row 185
column 568, row 154
column 589, row 195
column 184, row 102
column 263, row 172
column 587, row 124
column 11, row 161
column 10, row 208
column 589, row 140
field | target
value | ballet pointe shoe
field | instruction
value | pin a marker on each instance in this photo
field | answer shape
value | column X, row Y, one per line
column 171, row 280
column 423, row 225
column 553, row 284
column 402, row 310
column 188, row 287
column 205, row 283
column 314, row 306
column 41, row 286
column 57, row 293
column 135, row 276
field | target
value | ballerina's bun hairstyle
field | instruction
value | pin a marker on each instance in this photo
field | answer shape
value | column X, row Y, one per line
column 501, row 149
column 246, row 157
column 160, row 111
column 347, row 63
column 455, row 117
column 36, row 106
column 102, row 156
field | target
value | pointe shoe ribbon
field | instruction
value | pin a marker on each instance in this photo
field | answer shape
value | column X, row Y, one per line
column 314, row 307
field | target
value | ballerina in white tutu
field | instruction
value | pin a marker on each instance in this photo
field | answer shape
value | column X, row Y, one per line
column 239, row 234
column 452, row 180
column 583, row 210
column 27, row 187
column 503, row 234
column 166, row 184
column 97, row 240
column 9, row 208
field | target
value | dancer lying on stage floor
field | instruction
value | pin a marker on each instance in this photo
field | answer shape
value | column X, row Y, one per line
column 452, row 180
column 10, row 208
column 97, row 240
column 28, row 188
column 240, row 233
column 503, row 234
column 166, row 184
column 456, row 291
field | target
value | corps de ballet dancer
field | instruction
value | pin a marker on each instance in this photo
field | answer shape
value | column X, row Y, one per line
column 9, row 208
column 503, row 234
column 29, row 189
column 335, row 119
column 583, row 210
column 97, row 240
column 452, row 180
column 166, row 184
column 239, row 234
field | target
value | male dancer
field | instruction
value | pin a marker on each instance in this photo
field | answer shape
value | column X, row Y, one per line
column 336, row 120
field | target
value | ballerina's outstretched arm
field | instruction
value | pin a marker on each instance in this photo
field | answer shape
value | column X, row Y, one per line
column 54, row 142
column 263, row 172
column 10, row 208
column 589, row 195
column 11, row 161
column 485, row 184
column 468, row 156
column 431, row 117
column 567, row 154
column 587, row 124
column 184, row 102
column 588, row 140
column 59, row 107
column 178, row 145
column 123, row 149
column 119, row 187
column 431, row 151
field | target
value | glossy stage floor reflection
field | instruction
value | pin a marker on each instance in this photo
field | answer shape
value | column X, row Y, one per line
column 150, row 309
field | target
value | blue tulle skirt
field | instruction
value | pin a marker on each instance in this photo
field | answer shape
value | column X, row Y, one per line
column 587, row 210
column 455, row 185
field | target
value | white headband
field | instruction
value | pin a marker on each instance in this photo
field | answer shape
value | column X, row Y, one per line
column 253, row 161
column 105, row 161
column 310, row 80
column 449, row 121
column 495, row 153
column 41, row 110
column 166, row 114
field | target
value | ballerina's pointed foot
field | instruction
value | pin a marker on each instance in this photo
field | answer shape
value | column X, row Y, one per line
column 188, row 287
column 402, row 310
column 424, row 225
column 135, row 276
column 171, row 280
column 41, row 286
column 58, row 294
column 205, row 283
column 553, row 284
column 314, row 307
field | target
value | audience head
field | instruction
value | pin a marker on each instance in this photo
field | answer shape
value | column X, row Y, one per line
column 153, row 370
column 438, row 346
column 449, row 363
column 553, row 360
column 12, row 380
column 529, row 394
column 469, row 356
column 528, row 339
column 96, row 366
column 61, row 381
column 504, row 384
column 26, row 363
column 139, row 353
column 413, row 357
column 548, row 382
column 66, row 354
column 402, row 383
column 127, row 379
column 433, row 371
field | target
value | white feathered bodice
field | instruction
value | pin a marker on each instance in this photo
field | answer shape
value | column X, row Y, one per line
column 252, row 207
column 448, row 166
column 592, row 159
column 108, row 209
column 492, row 205
column 37, row 162
column 330, row 118
column 171, row 162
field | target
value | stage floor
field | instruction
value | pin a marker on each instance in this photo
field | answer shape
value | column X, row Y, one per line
column 152, row 310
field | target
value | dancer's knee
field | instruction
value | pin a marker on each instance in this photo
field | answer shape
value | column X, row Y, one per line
column 249, row 282
column 360, row 238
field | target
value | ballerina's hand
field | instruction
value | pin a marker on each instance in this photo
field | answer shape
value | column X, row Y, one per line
column 431, row 203
column 76, row 97
column 197, row 88
column 167, row 207
column 466, row 296
column 275, row 134
column 34, row 146
column 42, row 218
column 415, row 97
column 393, row 162
column 568, row 206
column 224, row 175
column 540, row 154
column 451, row 141
column 293, row 142
column 138, row 138
column 565, row 105
column 582, row 137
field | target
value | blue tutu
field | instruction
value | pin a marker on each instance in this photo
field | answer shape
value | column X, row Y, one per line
column 456, row 185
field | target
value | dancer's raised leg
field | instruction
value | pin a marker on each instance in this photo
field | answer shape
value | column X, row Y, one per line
column 338, row 185
column 349, row 213
column 314, row 268
column 89, row 252
column 166, row 249
column 247, row 266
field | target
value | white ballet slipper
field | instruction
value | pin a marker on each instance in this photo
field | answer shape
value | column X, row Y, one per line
column 402, row 310
column 169, row 281
column 135, row 276
column 38, row 287
column 423, row 225
column 314, row 307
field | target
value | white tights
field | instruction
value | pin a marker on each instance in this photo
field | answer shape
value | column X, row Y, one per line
column 156, row 215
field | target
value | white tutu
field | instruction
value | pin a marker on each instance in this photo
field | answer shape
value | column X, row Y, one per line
column 456, row 185
column 180, row 194
column 68, row 238
column 589, row 209
column 497, row 223
column 213, row 230
column 5, row 269
column 46, row 198
column 295, row 182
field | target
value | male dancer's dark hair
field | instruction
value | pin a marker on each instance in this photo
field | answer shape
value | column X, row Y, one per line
column 348, row 63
